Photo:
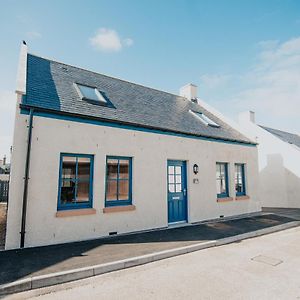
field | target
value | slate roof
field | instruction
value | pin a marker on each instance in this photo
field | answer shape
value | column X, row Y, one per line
column 287, row 137
column 50, row 85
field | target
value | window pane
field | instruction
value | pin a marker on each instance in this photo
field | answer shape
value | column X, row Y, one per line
column 171, row 169
column 178, row 178
column 83, row 168
column 218, row 174
column 171, row 179
column 112, row 169
column 221, row 183
column 178, row 188
column 67, row 194
column 172, row 188
column 222, row 170
column 111, row 190
column 83, row 191
column 218, row 187
column 123, row 190
column 239, row 188
column 68, row 167
column 239, row 184
column 178, row 170
column 223, row 186
column 90, row 93
column 124, row 169
column 208, row 120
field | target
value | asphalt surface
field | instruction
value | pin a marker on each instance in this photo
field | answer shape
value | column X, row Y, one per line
column 265, row 267
column 18, row 264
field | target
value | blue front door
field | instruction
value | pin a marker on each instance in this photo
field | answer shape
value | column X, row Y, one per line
column 177, row 191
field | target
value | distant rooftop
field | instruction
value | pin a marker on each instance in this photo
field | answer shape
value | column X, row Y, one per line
column 287, row 137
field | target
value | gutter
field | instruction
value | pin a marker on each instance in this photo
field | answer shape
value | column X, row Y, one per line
column 76, row 115
column 26, row 178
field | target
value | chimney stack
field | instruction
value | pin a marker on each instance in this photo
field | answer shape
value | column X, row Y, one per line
column 189, row 91
column 4, row 160
column 22, row 70
column 247, row 116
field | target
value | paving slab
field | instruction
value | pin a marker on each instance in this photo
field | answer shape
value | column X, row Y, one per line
column 25, row 263
column 293, row 213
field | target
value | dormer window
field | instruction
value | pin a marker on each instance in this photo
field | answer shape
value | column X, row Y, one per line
column 204, row 119
column 90, row 93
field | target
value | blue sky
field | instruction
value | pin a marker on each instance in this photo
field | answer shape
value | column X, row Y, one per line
column 242, row 54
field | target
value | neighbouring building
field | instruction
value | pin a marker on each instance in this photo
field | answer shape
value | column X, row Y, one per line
column 4, row 169
column 279, row 163
column 4, row 179
column 95, row 155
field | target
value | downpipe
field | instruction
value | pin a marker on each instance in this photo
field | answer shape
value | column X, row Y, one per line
column 26, row 178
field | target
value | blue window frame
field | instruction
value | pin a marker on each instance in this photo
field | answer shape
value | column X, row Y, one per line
column 118, row 181
column 75, row 181
column 222, row 180
column 239, row 179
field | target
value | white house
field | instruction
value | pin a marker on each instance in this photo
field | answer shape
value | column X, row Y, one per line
column 279, row 163
column 95, row 155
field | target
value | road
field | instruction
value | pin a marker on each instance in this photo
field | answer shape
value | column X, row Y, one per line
column 266, row 267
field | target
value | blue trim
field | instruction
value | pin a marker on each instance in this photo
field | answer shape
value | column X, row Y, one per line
column 182, row 206
column 120, row 125
column 226, row 194
column 243, row 193
column 78, row 205
column 119, row 202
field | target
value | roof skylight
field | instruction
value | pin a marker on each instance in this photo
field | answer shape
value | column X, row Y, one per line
column 90, row 93
column 205, row 119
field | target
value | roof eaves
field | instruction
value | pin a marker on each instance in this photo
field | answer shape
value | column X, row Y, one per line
column 41, row 109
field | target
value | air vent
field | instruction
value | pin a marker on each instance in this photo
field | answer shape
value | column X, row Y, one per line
column 113, row 233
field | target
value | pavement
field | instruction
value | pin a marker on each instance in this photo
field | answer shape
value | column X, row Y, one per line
column 266, row 267
column 293, row 213
column 41, row 262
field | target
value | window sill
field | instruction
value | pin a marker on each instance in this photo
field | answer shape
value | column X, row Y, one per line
column 75, row 212
column 226, row 199
column 113, row 209
column 245, row 197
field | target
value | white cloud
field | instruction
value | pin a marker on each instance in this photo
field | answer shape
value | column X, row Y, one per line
column 128, row 42
column 272, row 87
column 214, row 80
column 33, row 35
column 268, row 44
column 108, row 40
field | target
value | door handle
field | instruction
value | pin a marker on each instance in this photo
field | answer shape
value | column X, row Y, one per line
column 184, row 192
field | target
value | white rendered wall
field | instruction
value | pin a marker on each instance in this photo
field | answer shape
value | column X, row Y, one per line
column 17, row 173
column 279, row 168
column 150, row 153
